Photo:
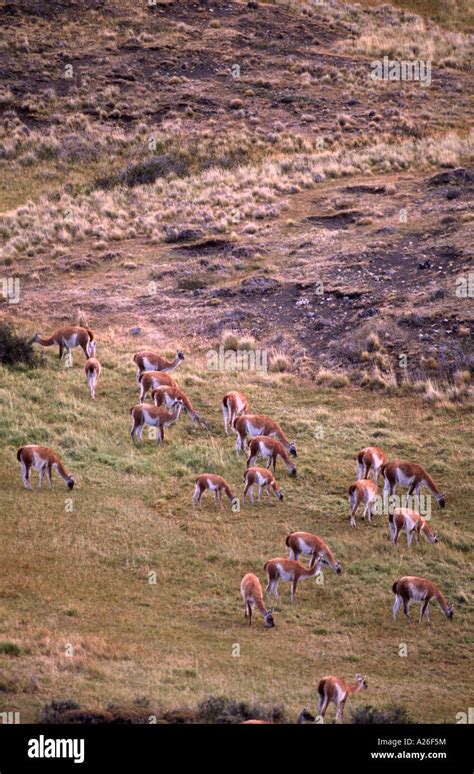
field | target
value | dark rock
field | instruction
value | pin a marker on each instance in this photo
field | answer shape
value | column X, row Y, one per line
column 259, row 285
column 182, row 234
column 459, row 175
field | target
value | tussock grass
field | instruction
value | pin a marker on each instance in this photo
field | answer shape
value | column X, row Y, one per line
column 82, row 577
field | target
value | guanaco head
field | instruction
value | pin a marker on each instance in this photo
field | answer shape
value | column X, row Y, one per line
column 362, row 682
column 269, row 622
column 292, row 449
column 234, row 502
column 277, row 491
column 35, row 337
column 449, row 612
column 179, row 355
column 70, row 482
column 441, row 500
column 292, row 471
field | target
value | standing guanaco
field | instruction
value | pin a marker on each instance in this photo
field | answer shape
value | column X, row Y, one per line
column 167, row 395
column 409, row 520
column 258, row 424
column 412, row 588
column 151, row 361
column 370, row 458
column 92, row 369
column 286, row 570
column 149, row 380
column 314, row 546
column 270, row 449
column 336, row 690
column 233, row 404
column 363, row 491
column 263, row 478
column 251, row 590
column 413, row 476
column 43, row 459
column 154, row 416
column 67, row 338
column 216, row 484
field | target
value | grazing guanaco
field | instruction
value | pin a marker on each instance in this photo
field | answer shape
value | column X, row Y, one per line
column 413, row 476
column 216, row 484
column 269, row 448
column 304, row 717
column 263, row 478
column 258, row 424
column 92, row 369
column 154, row 416
column 370, row 458
column 313, row 546
column 286, row 570
column 412, row 588
column 150, row 380
column 68, row 338
column 335, row 689
column 166, row 396
column 43, row 459
column 233, row 404
column 363, row 491
column 251, row 590
column 412, row 522
column 151, row 361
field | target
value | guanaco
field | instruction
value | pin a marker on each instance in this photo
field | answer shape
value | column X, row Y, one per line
column 335, row 689
column 251, row 590
column 92, row 369
column 216, row 484
column 412, row 588
column 233, row 404
column 270, row 449
column 68, row 338
column 313, row 546
column 370, row 459
column 149, row 380
column 412, row 523
column 151, row 361
column 154, row 416
column 258, row 424
column 305, row 716
column 363, row 491
column 413, row 476
column 263, row 478
column 43, row 459
column 286, row 570
column 167, row 395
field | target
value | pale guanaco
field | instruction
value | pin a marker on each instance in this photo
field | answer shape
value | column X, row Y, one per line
column 151, row 361
column 262, row 478
column 154, row 416
column 370, row 459
column 67, row 338
column 270, row 449
column 412, row 523
column 233, row 404
column 166, row 395
column 335, row 689
column 313, row 546
column 286, row 570
column 44, row 460
column 363, row 491
column 258, row 424
column 413, row 476
column 92, row 369
column 216, row 484
column 150, row 380
column 412, row 588
column 251, row 590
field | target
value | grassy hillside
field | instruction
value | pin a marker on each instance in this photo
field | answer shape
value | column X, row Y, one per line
column 80, row 578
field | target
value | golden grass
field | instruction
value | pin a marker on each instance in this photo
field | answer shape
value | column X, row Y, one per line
column 81, row 578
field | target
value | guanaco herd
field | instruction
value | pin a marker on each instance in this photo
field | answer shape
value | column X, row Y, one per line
column 269, row 442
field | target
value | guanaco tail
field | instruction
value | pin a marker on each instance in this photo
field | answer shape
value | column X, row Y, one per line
column 269, row 448
column 251, row 590
column 413, row 476
column 314, row 547
column 216, row 484
column 363, row 491
column 154, row 416
column 262, row 478
column 370, row 459
column 286, row 570
column 92, row 369
column 68, row 338
column 151, row 361
column 412, row 588
column 256, row 424
column 150, row 380
column 335, row 689
column 44, row 460
column 233, row 404
column 412, row 523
